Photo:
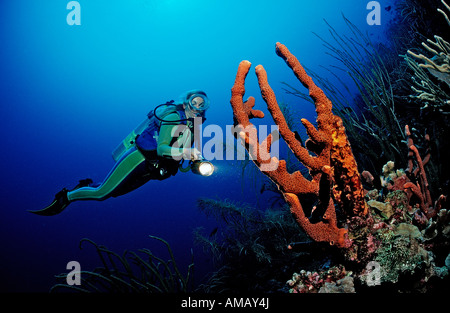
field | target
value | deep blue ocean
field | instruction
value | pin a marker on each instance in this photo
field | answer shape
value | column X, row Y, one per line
column 70, row 94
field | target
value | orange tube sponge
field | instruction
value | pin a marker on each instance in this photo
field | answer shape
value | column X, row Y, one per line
column 421, row 188
column 333, row 169
column 347, row 187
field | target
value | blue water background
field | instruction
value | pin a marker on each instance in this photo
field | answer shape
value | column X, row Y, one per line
column 70, row 94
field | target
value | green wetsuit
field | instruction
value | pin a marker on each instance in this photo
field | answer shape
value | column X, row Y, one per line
column 136, row 167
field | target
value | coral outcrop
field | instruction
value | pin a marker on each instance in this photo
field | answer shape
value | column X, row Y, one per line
column 333, row 280
column 437, row 65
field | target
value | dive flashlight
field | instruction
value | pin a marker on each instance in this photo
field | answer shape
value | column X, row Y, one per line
column 202, row 167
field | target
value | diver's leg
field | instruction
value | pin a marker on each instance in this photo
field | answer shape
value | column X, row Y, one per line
column 131, row 163
column 125, row 167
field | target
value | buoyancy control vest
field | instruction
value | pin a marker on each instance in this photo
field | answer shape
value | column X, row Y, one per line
column 145, row 135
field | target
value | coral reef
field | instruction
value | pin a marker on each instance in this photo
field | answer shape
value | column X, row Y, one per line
column 389, row 227
column 404, row 223
column 368, row 234
column 401, row 254
column 333, row 280
column 439, row 228
column 333, row 168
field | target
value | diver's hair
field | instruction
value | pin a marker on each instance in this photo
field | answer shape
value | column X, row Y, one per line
column 184, row 97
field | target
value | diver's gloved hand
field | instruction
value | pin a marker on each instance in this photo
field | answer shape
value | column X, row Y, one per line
column 192, row 154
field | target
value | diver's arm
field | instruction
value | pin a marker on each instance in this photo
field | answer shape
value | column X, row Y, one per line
column 166, row 133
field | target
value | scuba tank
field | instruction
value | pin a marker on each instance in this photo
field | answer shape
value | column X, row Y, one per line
column 129, row 140
column 151, row 125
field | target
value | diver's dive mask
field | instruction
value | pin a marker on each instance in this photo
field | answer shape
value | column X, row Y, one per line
column 198, row 102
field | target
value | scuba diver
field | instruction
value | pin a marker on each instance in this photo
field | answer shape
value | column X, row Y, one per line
column 155, row 150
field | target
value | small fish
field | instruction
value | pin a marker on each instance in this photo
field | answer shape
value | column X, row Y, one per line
column 214, row 231
column 388, row 8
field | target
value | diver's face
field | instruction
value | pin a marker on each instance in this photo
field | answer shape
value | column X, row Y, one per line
column 189, row 112
column 197, row 102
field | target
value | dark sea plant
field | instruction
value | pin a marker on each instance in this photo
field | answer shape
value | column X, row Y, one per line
column 131, row 272
column 253, row 249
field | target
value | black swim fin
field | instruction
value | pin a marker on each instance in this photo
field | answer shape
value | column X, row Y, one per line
column 61, row 201
column 57, row 206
